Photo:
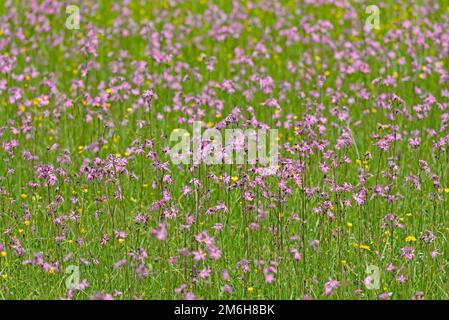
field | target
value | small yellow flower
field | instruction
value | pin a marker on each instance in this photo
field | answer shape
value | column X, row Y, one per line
column 3, row 254
column 51, row 270
column 343, row 263
column 20, row 230
column 83, row 230
column 250, row 289
column 4, row 276
column 234, row 178
column 446, row 190
column 27, row 222
column 410, row 239
column 23, row 196
column 70, row 241
column 349, row 224
column 121, row 240
column 365, row 247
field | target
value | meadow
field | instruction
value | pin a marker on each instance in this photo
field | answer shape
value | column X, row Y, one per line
column 92, row 205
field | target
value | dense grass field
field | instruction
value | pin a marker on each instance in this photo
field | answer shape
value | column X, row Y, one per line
column 92, row 205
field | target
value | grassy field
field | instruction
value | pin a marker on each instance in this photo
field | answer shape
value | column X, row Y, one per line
column 92, row 206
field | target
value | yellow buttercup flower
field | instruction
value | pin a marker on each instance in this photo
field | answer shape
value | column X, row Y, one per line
column 3, row 254
column 365, row 247
column 410, row 239
column 250, row 289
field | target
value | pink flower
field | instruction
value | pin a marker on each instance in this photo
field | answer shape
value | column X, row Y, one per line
column 227, row 289
column 160, row 233
column 330, row 286
column 408, row 253
column 384, row 296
